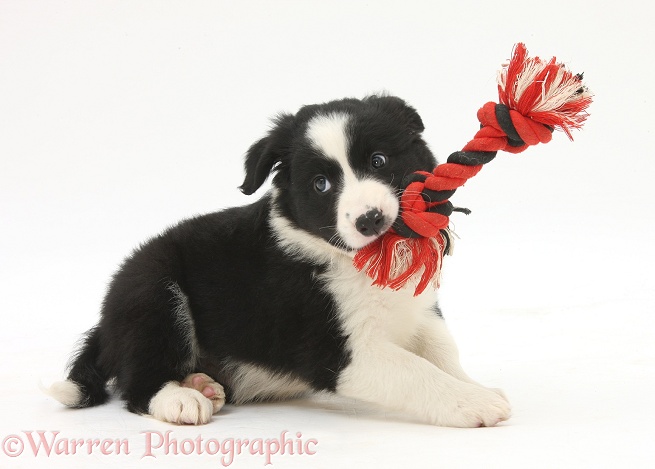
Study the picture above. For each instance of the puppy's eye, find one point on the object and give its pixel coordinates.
(321, 184)
(378, 160)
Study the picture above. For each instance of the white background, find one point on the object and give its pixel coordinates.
(120, 118)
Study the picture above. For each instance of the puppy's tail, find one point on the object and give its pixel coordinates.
(85, 385)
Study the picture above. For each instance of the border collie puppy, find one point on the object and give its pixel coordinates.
(262, 301)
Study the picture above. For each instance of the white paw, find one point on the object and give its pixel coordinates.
(500, 392)
(177, 404)
(474, 406)
(207, 387)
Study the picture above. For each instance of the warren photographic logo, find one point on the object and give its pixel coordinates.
(155, 444)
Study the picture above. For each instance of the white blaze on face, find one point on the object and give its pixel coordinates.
(328, 134)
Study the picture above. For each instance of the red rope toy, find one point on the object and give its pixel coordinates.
(536, 97)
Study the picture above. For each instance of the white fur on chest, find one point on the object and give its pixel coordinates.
(365, 312)
(368, 312)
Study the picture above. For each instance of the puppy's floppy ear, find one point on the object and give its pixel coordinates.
(399, 110)
(264, 154)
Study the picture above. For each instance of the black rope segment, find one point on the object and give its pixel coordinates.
(471, 158)
(505, 121)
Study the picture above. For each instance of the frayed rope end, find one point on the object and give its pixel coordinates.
(394, 261)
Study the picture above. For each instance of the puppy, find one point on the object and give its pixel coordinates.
(262, 302)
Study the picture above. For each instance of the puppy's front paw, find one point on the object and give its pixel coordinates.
(474, 406)
(500, 392)
(208, 387)
(180, 405)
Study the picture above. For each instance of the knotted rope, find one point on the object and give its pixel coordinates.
(536, 97)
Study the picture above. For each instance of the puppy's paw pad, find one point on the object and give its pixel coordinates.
(181, 405)
(207, 387)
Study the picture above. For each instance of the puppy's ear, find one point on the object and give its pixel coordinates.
(263, 155)
(400, 111)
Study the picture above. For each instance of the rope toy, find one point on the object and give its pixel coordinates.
(535, 98)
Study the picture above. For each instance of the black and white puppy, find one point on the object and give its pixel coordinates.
(264, 298)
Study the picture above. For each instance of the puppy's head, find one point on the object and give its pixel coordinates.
(338, 167)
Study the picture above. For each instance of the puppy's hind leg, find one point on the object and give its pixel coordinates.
(159, 350)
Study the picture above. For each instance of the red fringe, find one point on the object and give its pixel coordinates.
(380, 258)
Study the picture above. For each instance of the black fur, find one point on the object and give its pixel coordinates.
(250, 300)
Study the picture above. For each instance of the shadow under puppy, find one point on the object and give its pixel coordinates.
(264, 298)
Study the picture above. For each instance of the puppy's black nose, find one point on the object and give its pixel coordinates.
(371, 223)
